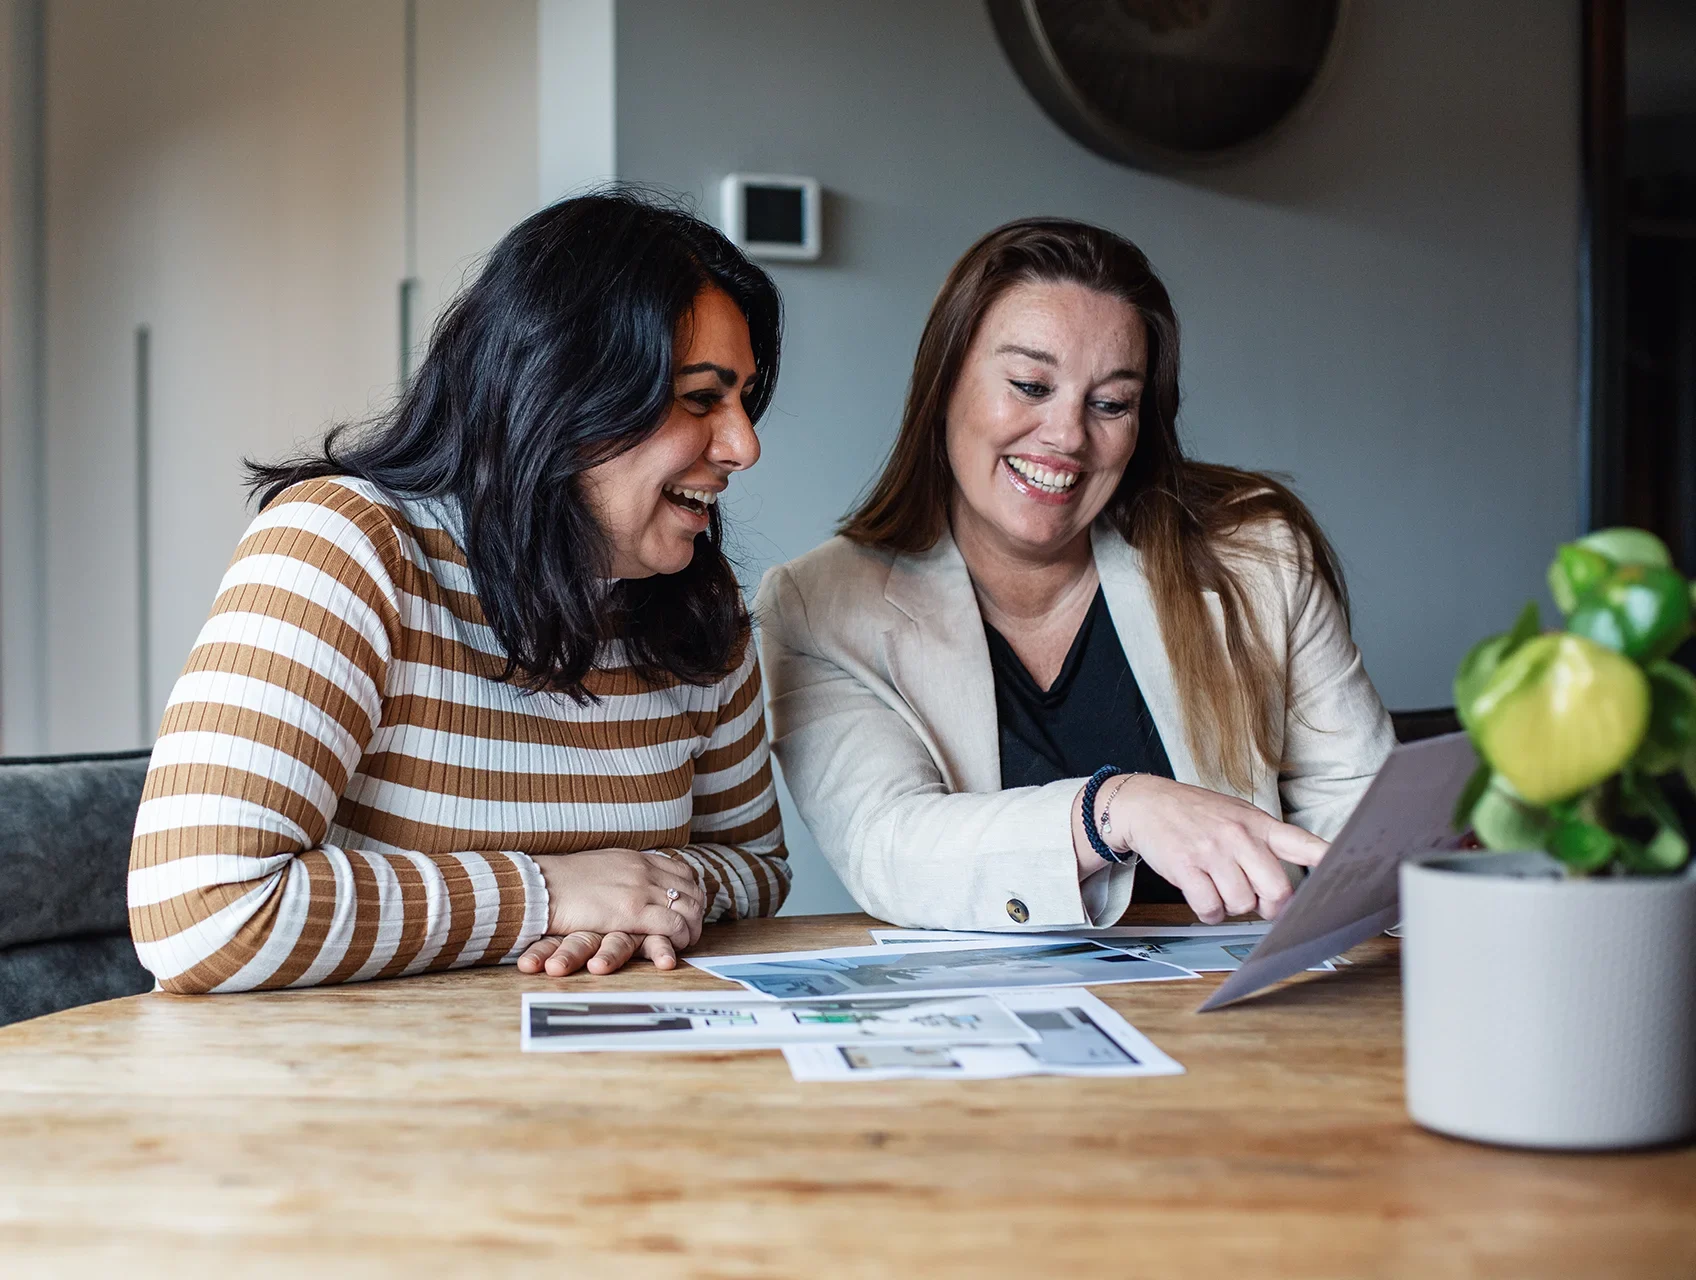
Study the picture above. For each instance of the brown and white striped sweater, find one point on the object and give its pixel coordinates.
(342, 788)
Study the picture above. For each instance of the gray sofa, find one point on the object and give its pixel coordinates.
(65, 824)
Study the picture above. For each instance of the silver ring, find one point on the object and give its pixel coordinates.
(672, 895)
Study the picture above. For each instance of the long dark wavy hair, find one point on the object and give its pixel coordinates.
(1178, 512)
(558, 357)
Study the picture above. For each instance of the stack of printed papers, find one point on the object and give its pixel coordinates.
(1203, 948)
(978, 963)
(1051, 1031)
(919, 1004)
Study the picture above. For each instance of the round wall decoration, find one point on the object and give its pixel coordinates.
(1167, 84)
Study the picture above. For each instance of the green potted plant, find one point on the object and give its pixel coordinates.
(1550, 984)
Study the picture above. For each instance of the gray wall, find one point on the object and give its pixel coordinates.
(1382, 303)
(23, 631)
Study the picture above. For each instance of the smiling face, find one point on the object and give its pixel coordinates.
(653, 500)
(1043, 418)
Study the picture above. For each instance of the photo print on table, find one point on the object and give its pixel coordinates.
(1200, 948)
(810, 975)
(1078, 1035)
(740, 1020)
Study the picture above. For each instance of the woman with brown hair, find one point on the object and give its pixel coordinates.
(1048, 646)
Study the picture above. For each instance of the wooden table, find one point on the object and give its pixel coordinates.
(395, 1127)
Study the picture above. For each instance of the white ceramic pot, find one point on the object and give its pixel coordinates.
(1541, 1011)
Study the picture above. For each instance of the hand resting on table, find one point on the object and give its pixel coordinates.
(605, 905)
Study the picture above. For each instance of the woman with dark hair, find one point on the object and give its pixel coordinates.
(478, 686)
(1048, 646)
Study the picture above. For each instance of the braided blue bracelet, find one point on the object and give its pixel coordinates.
(1092, 788)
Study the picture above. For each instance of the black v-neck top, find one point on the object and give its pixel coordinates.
(1092, 715)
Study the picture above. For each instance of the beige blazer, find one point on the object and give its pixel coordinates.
(883, 713)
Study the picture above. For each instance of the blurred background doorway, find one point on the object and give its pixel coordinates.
(1640, 136)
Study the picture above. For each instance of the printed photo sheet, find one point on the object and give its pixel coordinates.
(713, 1020)
(1205, 948)
(1078, 1035)
(949, 969)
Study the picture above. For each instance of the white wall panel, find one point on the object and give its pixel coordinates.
(478, 120)
(576, 54)
(230, 176)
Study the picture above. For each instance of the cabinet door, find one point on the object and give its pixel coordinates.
(231, 177)
(476, 136)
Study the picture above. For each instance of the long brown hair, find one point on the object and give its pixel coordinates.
(1178, 513)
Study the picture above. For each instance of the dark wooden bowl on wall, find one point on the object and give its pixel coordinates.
(1168, 84)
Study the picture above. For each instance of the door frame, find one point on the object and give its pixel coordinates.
(1602, 264)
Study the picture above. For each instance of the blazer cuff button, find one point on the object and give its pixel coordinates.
(1018, 911)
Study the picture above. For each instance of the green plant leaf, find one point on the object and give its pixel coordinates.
(1642, 611)
(1668, 849)
(1631, 855)
(1627, 546)
(1469, 797)
(1665, 852)
(1525, 627)
(1641, 797)
(1560, 715)
(1489, 653)
(1504, 822)
(1582, 846)
(1672, 719)
(1594, 806)
(1574, 572)
(1474, 673)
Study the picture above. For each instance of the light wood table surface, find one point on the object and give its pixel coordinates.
(395, 1128)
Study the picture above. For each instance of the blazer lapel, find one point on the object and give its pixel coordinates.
(938, 660)
(1131, 605)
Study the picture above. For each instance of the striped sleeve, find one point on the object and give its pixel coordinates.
(231, 887)
(736, 832)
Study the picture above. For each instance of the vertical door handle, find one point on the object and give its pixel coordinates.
(408, 316)
(146, 726)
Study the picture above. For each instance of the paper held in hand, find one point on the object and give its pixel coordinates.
(1352, 894)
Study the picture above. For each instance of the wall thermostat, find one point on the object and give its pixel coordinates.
(772, 215)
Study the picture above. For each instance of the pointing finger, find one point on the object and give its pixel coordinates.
(1292, 844)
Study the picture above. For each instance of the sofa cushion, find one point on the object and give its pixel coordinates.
(45, 977)
(65, 826)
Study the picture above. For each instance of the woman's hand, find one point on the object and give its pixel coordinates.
(604, 904)
(1221, 852)
(598, 953)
